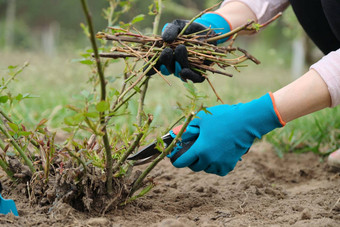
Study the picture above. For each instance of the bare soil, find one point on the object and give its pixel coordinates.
(263, 190)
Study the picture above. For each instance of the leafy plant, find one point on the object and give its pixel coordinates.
(90, 170)
(317, 133)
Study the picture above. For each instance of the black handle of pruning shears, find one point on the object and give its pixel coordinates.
(150, 152)
(185, 146)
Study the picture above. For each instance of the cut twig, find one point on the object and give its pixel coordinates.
(214, 90)
(200, 50)
(197, 16)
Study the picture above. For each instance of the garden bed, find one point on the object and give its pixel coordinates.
(262, 190)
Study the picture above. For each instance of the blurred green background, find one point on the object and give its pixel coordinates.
(48, 35)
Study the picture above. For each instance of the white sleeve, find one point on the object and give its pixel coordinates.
(329, 69)
(263, 9)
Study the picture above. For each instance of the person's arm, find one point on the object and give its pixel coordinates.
(317, 89)
(260, 10)
(236, 13)
(306, 95)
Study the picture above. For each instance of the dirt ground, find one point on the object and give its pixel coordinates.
(263, 190)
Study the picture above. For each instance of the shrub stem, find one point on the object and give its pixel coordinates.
(165, 152)
(109, 159)
(133, 145)
(17, 147)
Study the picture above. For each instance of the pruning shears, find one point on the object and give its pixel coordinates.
(150, 152)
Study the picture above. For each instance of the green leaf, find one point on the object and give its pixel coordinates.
(83, 61)
(151, 10)
(137, 18)
(86, 62)
(85, 55)
(78, 118)
(13, 126)
(69, 121)
(160, 144)
(3, 99)
(20, 97)
(74, 120)
(24, 133)
(102, 106)
(91, 114)
(85, 29)
(12, 67)
(67, 129)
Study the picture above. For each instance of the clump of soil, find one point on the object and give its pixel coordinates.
(68, 183)
(263, 190)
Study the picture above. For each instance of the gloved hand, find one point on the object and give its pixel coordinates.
(176, 61)
(225, 134)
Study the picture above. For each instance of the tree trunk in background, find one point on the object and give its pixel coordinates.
(10, 22)
(49, 39)
(309, 47)
(305, 54)
(298, 58)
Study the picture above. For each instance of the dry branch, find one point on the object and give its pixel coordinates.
(200, 50)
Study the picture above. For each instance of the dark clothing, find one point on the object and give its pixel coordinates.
(321, 21)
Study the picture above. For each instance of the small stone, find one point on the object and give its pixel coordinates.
(305, 215)
(297, 208)
(98, 222)
(258, 183)
(200, 189)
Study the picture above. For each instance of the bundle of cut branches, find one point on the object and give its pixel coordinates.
(199, 46)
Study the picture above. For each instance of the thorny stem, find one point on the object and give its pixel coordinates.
(249, 56)
(271, 20)
(133, 145)
(127, 73)
(174, 124)
(151, 65)
(200, 14)
(226, 35)
(214, 90)
(14, 75)
(157, 18)
(5, 116)
(116, 108)
(145, 88)
(4, 167)
(95, 49)
(112, 10)
(17, 147)
(3, 163)
(2, 145)
(109, 159)
(141, 102)
(78, 159)
(205, 67)
(142, 40)
(145, 59)
(165, 152)
(31, 140)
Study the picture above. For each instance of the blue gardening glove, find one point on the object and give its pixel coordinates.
(225, 134)
(176, 61)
